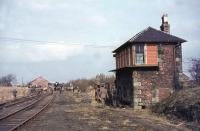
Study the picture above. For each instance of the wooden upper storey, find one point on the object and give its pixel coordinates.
(142, 50)
(137, 55)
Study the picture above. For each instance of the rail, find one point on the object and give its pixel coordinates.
(25, 107)
(34, 115)
(23, 115)
(17, 101)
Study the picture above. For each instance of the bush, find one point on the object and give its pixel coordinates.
(184, 104)
(83, 84)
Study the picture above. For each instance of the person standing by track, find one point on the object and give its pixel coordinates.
(14, 92)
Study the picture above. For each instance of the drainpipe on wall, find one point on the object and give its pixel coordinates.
(175, 74)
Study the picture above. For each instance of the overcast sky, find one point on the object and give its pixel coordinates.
(66, 26)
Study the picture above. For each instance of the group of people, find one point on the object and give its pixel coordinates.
(58, 87)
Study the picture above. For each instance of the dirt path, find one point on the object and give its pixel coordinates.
(74, 112)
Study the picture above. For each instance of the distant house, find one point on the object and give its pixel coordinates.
(148, 66)
(39, 82)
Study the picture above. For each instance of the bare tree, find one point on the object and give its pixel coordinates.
(195, 70)
(7, 80)
(83, 84)
(105, 78)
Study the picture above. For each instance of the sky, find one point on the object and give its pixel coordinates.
(68, 39)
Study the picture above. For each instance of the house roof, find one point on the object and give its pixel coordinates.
(152, 35)
(40, 78)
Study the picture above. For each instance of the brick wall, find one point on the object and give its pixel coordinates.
(155, 83)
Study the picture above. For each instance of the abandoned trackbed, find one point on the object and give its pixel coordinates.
(14, 107)
(18, 118)
(17, 101)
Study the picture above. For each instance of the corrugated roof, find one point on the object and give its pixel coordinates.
(152, 35)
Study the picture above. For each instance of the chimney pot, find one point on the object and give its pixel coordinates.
(165, 26)
(165, 18)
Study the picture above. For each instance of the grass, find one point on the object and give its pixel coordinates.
(6, 93)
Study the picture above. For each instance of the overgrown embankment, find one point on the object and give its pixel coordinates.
(6, 93)
(184, 104)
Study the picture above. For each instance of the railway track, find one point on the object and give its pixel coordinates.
(19, 117)
(17, 101)
(17, 106)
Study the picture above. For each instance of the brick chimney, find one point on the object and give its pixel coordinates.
(165, 25)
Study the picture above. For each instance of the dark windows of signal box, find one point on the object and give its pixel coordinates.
(139, 51)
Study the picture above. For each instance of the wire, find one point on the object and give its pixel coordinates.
(54, 42)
